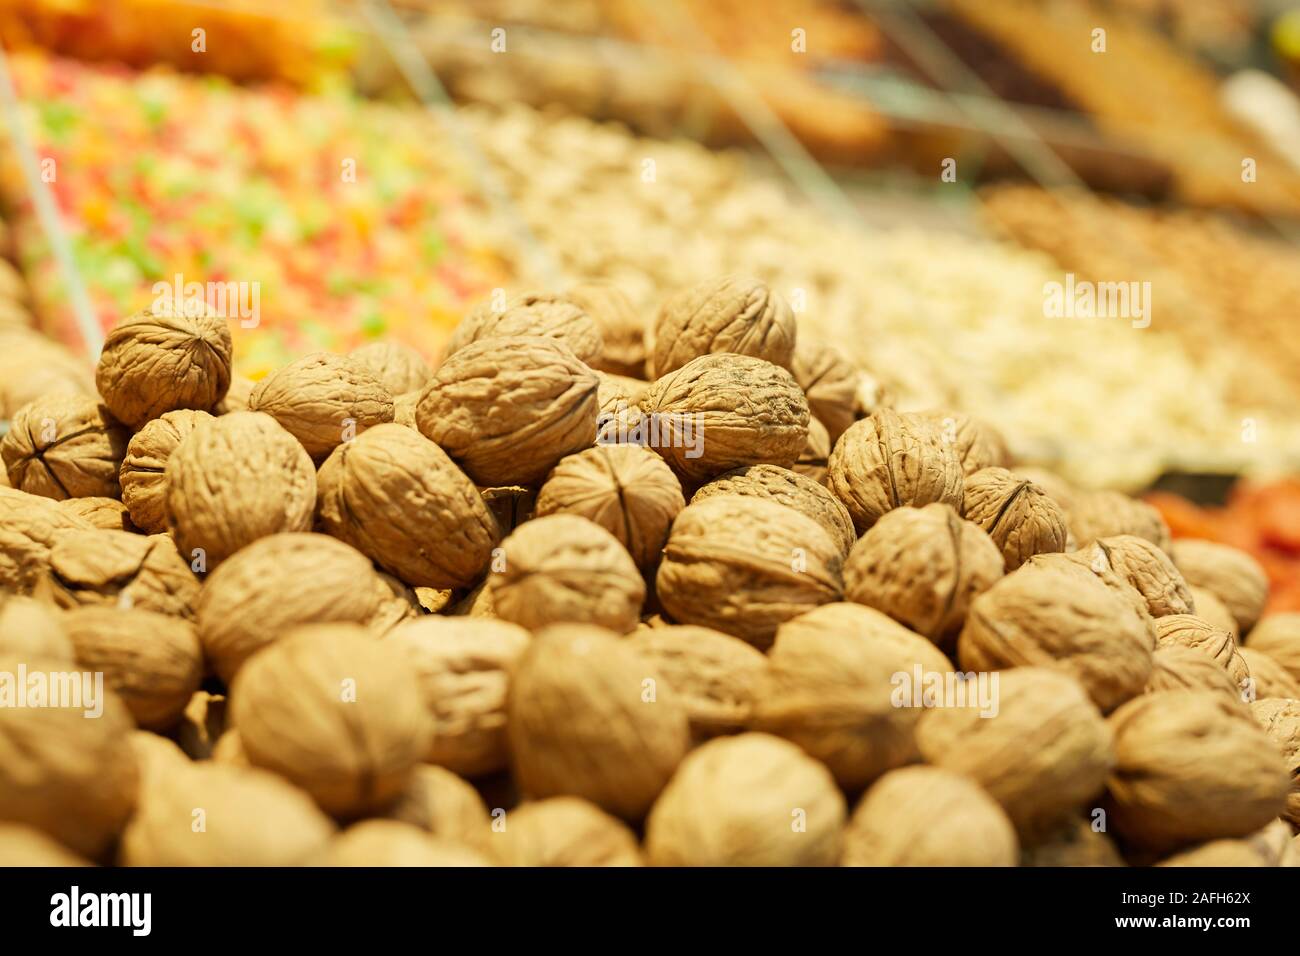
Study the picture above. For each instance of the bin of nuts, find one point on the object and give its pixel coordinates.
(670, 646)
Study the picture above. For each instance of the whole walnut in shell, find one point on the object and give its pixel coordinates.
(1232, 575)
(1018, 515)
(788, 488)
(463, 666)
(71, 777)
(335, 712)
(732, 314)
(751, 800)
(1107, 514)
(1213, 611)
(397, 498)
(508, 409)
(249, 818)
(1189, 767)
(716, 677)
(107, 514)
(1188, 630)
(1277, 635)
(144, 490)
(122, 569)
(978, 444)
(1280, 719)
(928, 816)
(323, 400)
(64, 446)
(565, 568)
(1042, 756)
(923, 567)
(1268, 677)
(1060, 615)
(1147, 568)
(157, 361)
(393, 843)
(445, 806)
(745, 565)
(831, 383)
(622, 331)
(26, 846)
(831, 689)
(1177, 667)
(29, 525)
(235, 479)
(277, 583)
(626, 489)
(399, 367)
(889, 460)
(565, 831)
(813, 460)
(585, 718)
(724, 411)
(542, 314)
(32, 630)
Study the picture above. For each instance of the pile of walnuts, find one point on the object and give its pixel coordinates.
(595, 591)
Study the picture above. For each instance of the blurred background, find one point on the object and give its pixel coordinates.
(911, 174)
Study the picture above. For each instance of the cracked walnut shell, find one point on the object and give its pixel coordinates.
(237, 478)
(144, 489)
(1232, 575)
(397, 498)
(157, 361)
(1177, 667)
(562, 568)
(889, 460)
(788, 488)
(64, 446)
(565, 831)
(323, 400)
(1018, 515)
(745, 565)
(29, 525)
(732, 314)
(923, 567)
(121, 569)
(723, 411)
(532, 314)
(506, 410)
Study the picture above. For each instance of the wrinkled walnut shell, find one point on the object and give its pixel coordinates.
(1018, 515)
(398, 367)
(622, 331)
(1108, 514)
(1147, 568)
(144, 490)
(533, 314)
(1232, 575)
(1188, 630)
(106, 514)
(121, 569)
(29, 525)
(978, 444)
(788, 488)
(732, 314)
(1177, 667)
(1280, 719)
(831, 384)
(64, 446)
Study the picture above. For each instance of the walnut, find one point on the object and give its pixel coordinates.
(26, 846)
(463, 665)
(277, 583)
(123, 569)
(236, 400)
(107, 514)
(32, 630)
(744, 565)
(928, 816)
(831, 384)
(64, 446)
(144, 491)
(34, 367)
(888, 460)
(788, 488)
(1212, 610)
(751, 800)
(157, 361)
(831, 689)
(335, 712)
(249, 818)
(565, 831)
(398, 499)
(1177, 667)
(508, 409)
(585, 718)
(565, 568)
(1073, 843)
(979, 445)
(1281, 721)
(1042, 756)
(1058, 614)
(393, 843)
(1189, 767)
(626, 489)
(1232, 575)
(445, 806)
(1277, 635)
(404, 408)
(1188, 630)
(1107, 514)
(29, 525)
(1144, 566)
(71, 777)
(323, 400)
(532, 314)
(1018, 515)
(923, 567)
(816, 452)
(1268, 677)
(398, 367)
(235, 479)
(716, 677)
(622, 331)
(732, 314)
(720, 412)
